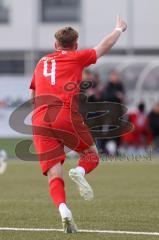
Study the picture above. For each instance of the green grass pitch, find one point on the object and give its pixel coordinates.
(126, 198)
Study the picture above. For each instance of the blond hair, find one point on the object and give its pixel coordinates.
(66, 37)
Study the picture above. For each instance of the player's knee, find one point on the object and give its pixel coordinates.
(93, 149)
(90, 159)
(55, 172)
(93, 153)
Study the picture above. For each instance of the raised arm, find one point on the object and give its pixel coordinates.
(108, 42)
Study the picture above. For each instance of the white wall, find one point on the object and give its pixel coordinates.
(146, 22)
(25, 32)
(11, 89)
(46, 34)
(17, 35)
(100, 17)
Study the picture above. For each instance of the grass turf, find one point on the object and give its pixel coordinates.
(9, 144)
(126, 198)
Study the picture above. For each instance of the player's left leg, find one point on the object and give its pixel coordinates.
(57, 192)
(89, 160)
(51, 155)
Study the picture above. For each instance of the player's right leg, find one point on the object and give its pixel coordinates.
(89, 160)
(87, 150)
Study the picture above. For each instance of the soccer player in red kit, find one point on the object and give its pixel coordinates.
(56, 119)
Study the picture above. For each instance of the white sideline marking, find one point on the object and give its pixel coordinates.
(82, 230)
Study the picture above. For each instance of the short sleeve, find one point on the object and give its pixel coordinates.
(32, 85)
(86, 57)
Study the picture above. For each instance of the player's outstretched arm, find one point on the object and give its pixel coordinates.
(108, 42)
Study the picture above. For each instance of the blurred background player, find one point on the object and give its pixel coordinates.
(3, 163)
(113, 92)
(94, 95)
(51, 76)
(138, 141)
(153, 118)
(114, 89)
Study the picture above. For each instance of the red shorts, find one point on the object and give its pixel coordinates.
(55, 128)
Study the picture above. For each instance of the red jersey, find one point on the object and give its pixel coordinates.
(59, 74)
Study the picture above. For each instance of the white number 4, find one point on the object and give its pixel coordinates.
(51, 74)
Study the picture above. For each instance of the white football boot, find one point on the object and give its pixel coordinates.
(85, 189)
(68, 223)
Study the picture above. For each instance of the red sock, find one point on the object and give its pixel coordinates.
(89, 161)
(57, 191)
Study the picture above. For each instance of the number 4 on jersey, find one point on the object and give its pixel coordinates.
(51, 74)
